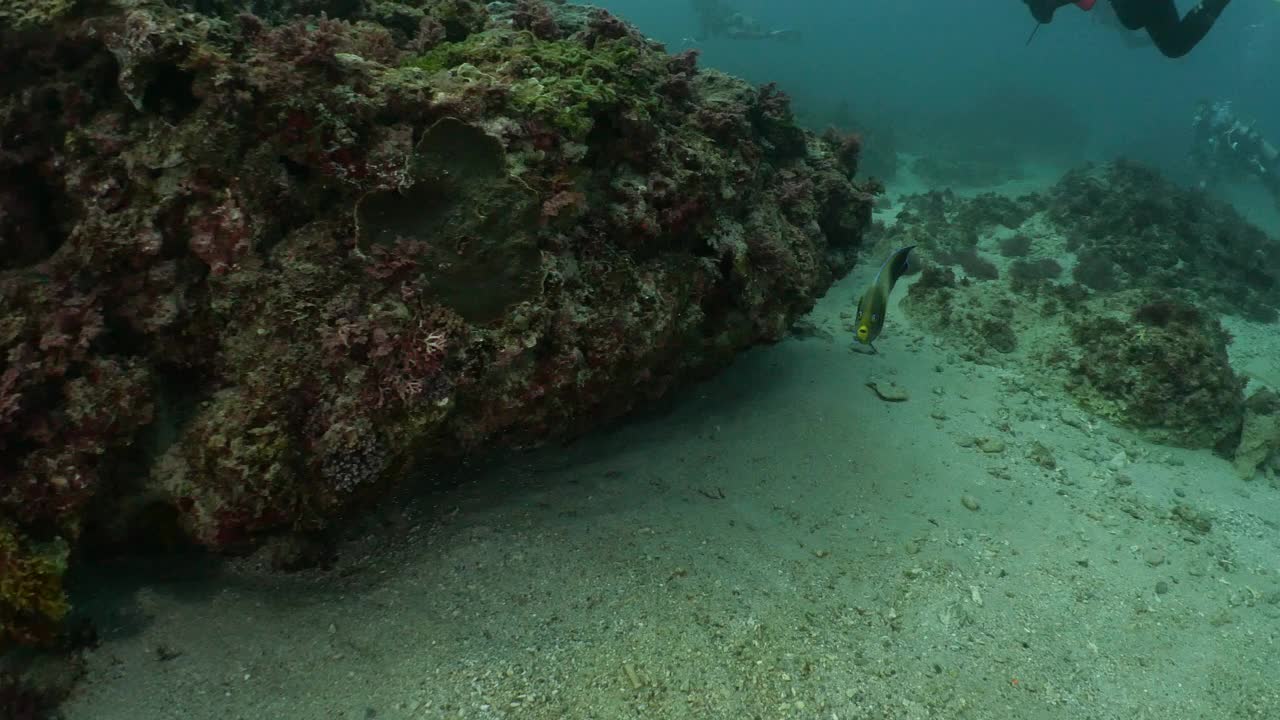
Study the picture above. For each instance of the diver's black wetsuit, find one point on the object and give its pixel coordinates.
(1174, 35)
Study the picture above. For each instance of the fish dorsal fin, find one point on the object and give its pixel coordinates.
(898, 262)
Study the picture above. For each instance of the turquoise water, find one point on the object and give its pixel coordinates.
(965, 70)
(958, 526)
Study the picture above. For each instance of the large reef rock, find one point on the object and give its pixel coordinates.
(1164, 372)
(251, 266)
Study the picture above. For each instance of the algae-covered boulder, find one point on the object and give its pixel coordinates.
(1130, 227)
(30, 586)
(251, 265)
(1260, 436)
(1162, 371)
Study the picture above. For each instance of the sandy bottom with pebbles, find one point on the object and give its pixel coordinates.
(780, 542)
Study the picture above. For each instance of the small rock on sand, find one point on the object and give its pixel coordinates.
(889, 392)
(990, 445)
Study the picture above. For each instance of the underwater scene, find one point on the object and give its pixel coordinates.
(639, 360)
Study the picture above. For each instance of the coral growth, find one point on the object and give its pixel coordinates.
(23, 14)
(253, 265)
(1132, 228)
(1162, 371)
(1159, 366)
(1128, 228)
(31, 598)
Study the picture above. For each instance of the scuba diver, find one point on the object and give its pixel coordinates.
(1223, 145)
(1173, 35)
(717, 18)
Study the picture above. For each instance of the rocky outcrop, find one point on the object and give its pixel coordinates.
(1109, 286)
(251, 266)
(1164, 371)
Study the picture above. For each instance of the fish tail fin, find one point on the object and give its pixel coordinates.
(898, 264)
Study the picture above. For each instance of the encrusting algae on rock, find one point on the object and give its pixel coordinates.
(251, 267)
(31, 597)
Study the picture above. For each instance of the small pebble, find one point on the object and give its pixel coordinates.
(1162, 587)
(1118, 461)
(969, 502)
(889, 392)
(1153, 557)
(991, 445)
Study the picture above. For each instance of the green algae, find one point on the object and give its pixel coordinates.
(32, 602)
(28, 14)
(561, 81)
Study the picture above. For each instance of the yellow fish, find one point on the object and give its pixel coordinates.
(875, 301)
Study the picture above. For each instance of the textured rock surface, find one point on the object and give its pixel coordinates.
(1108, 285)
(1164, 371)
(1260, 436)
(254, 265)
(1130, 227)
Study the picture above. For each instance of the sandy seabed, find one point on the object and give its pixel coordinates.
(778, 543)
